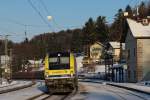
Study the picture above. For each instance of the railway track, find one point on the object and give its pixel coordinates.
(42, 96)
(51, 96)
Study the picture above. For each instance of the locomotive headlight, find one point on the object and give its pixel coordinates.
(71, 73)
(46, 74)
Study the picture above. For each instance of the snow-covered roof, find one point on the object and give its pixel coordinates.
(97, 43)
(138, 29)
(115, 44)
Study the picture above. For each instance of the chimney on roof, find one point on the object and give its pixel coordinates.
(126, 14)
(145, 21)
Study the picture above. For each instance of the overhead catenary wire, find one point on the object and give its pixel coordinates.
(21, 24)
(132, 1)
(47, 11)
(43, 4)
(137, 2)
(24, 24)
(54, 19)
(41, 16)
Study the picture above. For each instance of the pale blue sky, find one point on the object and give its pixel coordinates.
(66, 14)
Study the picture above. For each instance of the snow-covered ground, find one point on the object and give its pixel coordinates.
(24, 94)
(134, 86)
(5, 83)
(13, 84)
(96, 91)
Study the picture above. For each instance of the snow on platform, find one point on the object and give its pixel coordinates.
(132, 86)
(15, 84)
(5, 84)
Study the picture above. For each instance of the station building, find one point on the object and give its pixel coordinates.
(137, 45)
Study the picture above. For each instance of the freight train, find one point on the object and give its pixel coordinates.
(61, 72)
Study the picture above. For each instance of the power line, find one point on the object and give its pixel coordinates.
(44, 6)
(39, 13)
(47, 11)
(23, 24)
(137, 2)
(131, 1)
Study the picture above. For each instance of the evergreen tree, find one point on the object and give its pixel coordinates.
(129, 10)
(101, 29)
(117, 27)
(142, 10)
(88, 31)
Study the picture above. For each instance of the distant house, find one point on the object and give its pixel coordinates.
(96, 50)
(93, 56)
(115, 50)
(36, 65)
(4, 59)
(137, 44)
(33, 65)
(88, 64)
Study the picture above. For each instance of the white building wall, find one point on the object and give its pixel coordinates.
(130, 45)
(145, 58)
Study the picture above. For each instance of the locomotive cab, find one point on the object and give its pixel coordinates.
(61, 72)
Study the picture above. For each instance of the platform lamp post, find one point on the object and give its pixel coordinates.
(49, 18)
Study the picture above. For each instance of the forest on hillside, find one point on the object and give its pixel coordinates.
(75, 39)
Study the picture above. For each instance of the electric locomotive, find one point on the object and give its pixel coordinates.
(61, 72)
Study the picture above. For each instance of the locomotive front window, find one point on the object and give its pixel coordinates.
(64, 60)
(59, 63)
(53, 60)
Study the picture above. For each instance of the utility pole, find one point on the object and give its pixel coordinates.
(1, 69)
(6, 57)
(10, 66)
(6, 44)
(25, 33)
